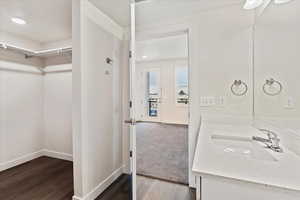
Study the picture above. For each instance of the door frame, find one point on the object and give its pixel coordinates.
(165, 32)
(194, 121)
(132, 102)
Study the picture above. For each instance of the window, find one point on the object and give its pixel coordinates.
(181, 85)
(153, 84)
(153, 92)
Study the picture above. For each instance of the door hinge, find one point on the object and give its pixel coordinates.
(130, 154)
(130, 54)
(130, 104)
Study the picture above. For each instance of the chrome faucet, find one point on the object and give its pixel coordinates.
(272, 142)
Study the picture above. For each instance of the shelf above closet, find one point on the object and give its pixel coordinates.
(43, 53)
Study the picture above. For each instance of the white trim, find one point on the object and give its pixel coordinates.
(76, 198)
(58, 68)
(58, 155)
(102, 186)
(98, 17)
(126, 169)
(26, 158)
(176, 59)
(164, 122)
(20, 160)
(11, 66)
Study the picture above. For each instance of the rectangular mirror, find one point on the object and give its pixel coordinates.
(276, 71)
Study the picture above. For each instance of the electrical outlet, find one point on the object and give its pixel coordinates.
(289, 103)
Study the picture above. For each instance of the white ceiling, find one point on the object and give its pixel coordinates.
(153, 11)
(51, 20)
(284, 15)
(47, 20)
(118, 10)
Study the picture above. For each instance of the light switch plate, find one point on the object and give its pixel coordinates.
(220, 101)
(207, 101)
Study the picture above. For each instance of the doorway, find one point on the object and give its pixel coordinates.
(36, 143)
(162, 101)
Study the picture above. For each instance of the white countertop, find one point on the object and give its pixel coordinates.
(209, 160)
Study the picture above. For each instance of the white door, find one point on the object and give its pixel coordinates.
(132, 120)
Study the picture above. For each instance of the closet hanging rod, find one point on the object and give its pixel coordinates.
(30, 53)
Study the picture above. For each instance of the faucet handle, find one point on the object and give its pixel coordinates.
(270, 134)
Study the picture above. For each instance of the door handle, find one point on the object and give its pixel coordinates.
(132, 121)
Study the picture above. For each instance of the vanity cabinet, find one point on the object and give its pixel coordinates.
(220, 188)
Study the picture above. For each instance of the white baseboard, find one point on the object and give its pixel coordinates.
(126, 169)
(26, 158)
(58, 155)
(20, 160)
(102, 186)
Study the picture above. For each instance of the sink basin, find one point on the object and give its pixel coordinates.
(242, 147)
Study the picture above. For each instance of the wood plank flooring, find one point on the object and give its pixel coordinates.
(119, 190)
(52, 179)
(40, 179)
(148, 189)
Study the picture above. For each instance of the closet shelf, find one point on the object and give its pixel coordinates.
(30, 53)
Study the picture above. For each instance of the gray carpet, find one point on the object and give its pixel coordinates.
(162, 151)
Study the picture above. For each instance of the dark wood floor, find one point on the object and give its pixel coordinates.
(40, 179)
(52, 179)
(147, 189)
(119, 190)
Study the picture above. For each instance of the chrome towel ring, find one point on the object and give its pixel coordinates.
(238, 84)
(270, 83)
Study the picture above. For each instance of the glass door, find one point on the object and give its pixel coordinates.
(153, 94)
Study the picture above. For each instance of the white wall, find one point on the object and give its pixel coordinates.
(162, 48)
(125, 102)
(277, 46)
(276, 56)
(97, 102)
(35, 113)
(23, 88)
(21, 112)
(58, 109)
(102, 140)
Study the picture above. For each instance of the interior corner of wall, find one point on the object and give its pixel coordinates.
(104, 21)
